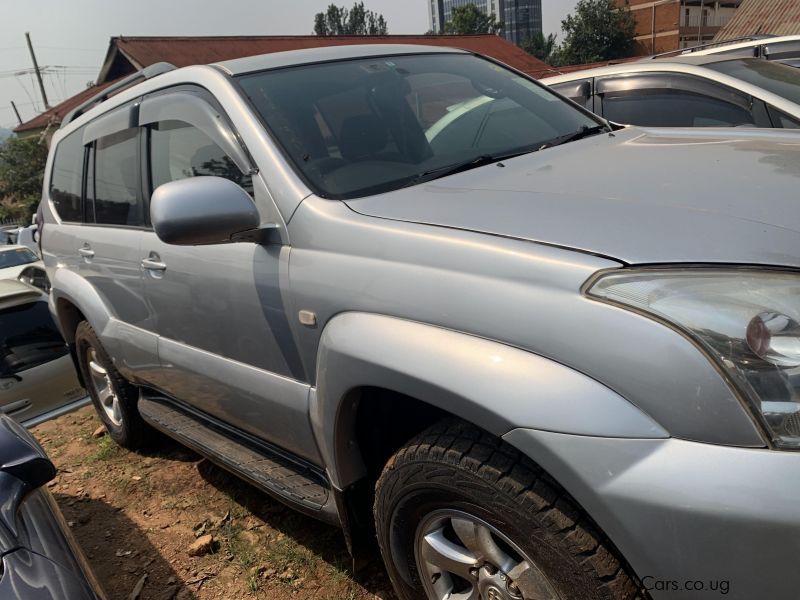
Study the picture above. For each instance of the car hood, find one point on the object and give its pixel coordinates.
(638, 196)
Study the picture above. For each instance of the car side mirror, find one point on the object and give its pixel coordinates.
(203, 210)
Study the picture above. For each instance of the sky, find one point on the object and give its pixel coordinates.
(71, 38)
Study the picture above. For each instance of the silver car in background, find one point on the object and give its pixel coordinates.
(37, 375)
(417, 295)
(689, 91)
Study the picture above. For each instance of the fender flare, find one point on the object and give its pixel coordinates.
(68, 286)
(493, 385)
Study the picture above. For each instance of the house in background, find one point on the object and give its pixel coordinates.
(666, 25)
(127, 55)
(762, 17)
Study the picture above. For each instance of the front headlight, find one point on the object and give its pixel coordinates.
(747, 320)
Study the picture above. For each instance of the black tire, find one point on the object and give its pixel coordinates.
(456, 466)
(131, 432)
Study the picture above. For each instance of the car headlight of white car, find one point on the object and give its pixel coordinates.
(746, 320)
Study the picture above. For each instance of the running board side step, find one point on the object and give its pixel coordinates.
(290, 480)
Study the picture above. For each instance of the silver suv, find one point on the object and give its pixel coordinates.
(411, 292)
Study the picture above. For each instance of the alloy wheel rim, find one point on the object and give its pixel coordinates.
(104, 388)
(462, 557)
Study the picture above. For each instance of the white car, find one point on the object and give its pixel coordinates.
(16, 259)
(778, 48)
(689, 91)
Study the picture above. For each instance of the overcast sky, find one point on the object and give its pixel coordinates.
(71, 37)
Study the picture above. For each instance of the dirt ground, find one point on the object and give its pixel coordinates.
(136, 517)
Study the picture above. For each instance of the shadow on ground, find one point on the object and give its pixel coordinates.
(119, 551)
(323, 540)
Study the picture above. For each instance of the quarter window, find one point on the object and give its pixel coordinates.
(67, 178)
(116, 180)
(179, 150)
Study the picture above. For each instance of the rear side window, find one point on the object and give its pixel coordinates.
(116, 180)
(28, 337)
(179, 150)
(67, 178)
(665, 108)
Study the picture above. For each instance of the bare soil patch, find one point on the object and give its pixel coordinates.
(137, 517)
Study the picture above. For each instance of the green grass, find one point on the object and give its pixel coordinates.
(106, 450)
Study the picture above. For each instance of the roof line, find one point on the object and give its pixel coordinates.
(294, 37)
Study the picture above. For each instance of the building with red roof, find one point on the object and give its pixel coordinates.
(127, 55)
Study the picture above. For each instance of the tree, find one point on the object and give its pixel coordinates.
(21, 173)
(598, 31)
(540, 46)
(337, 20)
(470, 20)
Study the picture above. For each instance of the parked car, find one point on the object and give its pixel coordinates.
(40, 560)
(689, 91)
(14, 259)
(37, 376)
(780, 48)
(538, 358)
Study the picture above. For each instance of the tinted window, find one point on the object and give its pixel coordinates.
(783, 120)
(16, 257)
(28, 337)
(116, 180)
(773, 77)
(179, 150)
(662, 108)
(66, 180)
(360, 127)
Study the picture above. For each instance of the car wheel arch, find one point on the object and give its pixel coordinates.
(491, 385)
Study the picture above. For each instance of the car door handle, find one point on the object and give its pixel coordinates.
(86, 252)
(151, 264)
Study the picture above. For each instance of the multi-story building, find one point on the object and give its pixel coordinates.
(665, 25)
(521, 18)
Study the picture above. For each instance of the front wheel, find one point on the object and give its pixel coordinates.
(461, 515)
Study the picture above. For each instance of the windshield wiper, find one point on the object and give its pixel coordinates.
(472, 163)
(584, 131)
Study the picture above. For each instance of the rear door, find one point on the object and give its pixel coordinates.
(225, 343)
(109, 242)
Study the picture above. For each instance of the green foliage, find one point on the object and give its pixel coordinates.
(21, 172)
(337, 20)
(470, 20)
(540, 46)
(598, 31)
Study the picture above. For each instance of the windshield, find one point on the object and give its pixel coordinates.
(773, 77)
(361, 127)
(14, 257)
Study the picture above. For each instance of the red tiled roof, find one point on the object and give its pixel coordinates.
(762, 17)
(128, 54)
(185, 51)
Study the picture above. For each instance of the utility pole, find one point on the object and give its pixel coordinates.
(38, 72)
(16, 112)
(700, 23)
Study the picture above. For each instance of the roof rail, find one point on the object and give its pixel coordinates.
(689, 50)
(129, 81)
